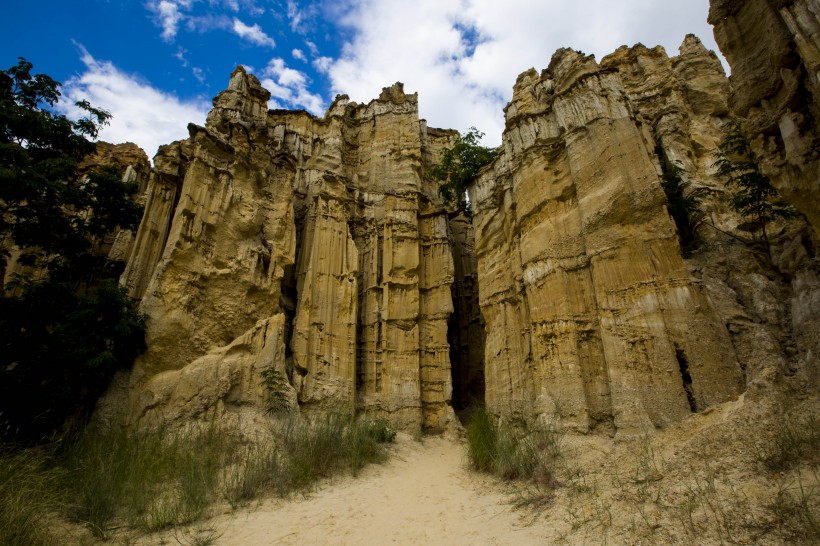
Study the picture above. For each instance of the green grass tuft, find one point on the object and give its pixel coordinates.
(511, 453)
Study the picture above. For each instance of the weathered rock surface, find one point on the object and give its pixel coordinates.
(325, 231)
(319, 249)
(124, 156)
(773, 47)
(591, 316)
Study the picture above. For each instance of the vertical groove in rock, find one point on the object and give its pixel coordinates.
(466, 327)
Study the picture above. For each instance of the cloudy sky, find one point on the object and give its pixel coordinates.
(156, 64)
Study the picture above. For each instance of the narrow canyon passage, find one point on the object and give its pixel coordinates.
(424, 494)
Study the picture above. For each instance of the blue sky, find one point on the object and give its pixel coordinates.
(156, 64)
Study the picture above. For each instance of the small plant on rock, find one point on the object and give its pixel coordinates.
(277, 386)
(683, 204)
(755, 197)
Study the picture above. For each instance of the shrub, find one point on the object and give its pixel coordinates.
(682, 203)
(459, 165)
(754, 197)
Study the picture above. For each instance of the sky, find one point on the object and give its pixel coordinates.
(155, 65)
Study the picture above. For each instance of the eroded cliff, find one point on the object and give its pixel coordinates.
(314, 247)
(591, 315)
(318, 251)
(773, 47)
(593, 318)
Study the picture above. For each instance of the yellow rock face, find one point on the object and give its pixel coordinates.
(773, 48)
(317, 235)
(319, 249)
(590, 315)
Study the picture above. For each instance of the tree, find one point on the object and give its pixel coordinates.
(66, 327)
(682, 203)
(754, 196)
(459, 165)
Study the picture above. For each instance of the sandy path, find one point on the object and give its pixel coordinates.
(423, 495)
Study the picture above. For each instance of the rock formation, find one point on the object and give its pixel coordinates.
(773, 47)
(591, 316)
(320, 236)
(318, 249)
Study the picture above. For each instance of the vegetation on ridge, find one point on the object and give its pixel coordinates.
(459, 165)
(682, 203)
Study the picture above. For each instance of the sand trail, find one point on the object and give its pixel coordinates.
(423, 495)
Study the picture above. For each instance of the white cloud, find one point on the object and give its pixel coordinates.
(298, 54)
(169, 16)
(180, 55)
(300, 16)
(140, 113)
(463, 57)
(289, 87)
(253, 33)
(312, 47)
(198, 74)
(322, 64)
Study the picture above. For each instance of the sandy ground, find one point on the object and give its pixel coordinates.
(701, 481)
(423, 495)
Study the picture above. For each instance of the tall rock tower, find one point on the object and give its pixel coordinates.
(313, 247)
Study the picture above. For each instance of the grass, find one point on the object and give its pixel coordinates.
(306, 452)
(149, 480)
(795, 508)
(29, 491)
(152, 480)
(797, 438)
(525, 454)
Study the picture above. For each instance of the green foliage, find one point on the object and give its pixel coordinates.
(459, 165)
(683, 204)
(45, 208)
(318, 448)
(58, 352)
(481, 441)
(146, 479)
(277, 386)
(65, 327)
(379, 429)
(512, 454)
(154, 479)
(754, 197)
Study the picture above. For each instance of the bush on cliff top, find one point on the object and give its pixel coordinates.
(459, 165)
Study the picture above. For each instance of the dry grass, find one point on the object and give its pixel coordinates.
(151, 480)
